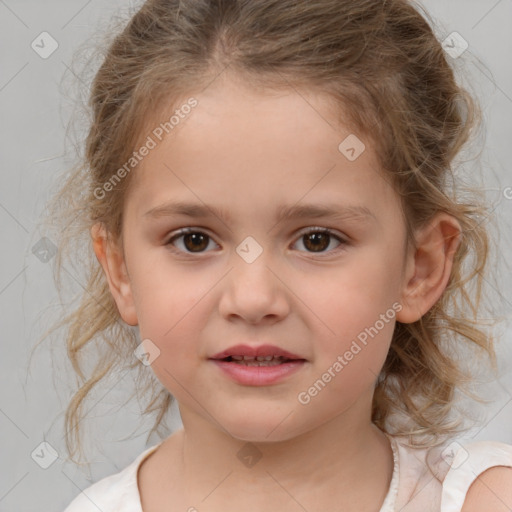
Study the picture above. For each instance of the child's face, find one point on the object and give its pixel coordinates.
(250, 155)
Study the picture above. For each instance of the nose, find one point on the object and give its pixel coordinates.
(254, 291)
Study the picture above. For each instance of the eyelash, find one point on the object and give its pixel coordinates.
(187, 231)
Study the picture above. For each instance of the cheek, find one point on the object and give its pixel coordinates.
(358, 351)
(166, 299)
(351, 297)
(174, 326)
(354, 313)
(171, 316)
(347, 367)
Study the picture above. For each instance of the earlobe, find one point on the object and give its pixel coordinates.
(429, 267)
(111, 259)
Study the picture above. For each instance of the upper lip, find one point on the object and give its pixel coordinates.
(261, 350)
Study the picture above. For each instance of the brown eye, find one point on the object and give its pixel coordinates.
(317, 240)
(192, 241)
(195, 241)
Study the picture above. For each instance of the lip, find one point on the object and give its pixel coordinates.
(261, 350)
(257, 375)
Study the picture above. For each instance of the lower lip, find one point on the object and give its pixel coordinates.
(258, 375)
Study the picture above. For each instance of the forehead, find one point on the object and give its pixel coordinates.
(239, 144)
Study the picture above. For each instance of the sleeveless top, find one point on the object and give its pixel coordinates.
(424, 480)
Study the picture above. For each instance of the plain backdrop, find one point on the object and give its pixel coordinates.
(34, 114)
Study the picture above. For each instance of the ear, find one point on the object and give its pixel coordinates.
(429, 266)
(111, 259)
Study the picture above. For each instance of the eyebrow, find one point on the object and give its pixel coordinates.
(285, 212)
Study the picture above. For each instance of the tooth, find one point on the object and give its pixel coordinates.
(248, 358)
(268, 358)
(273, 362)
(237, 358)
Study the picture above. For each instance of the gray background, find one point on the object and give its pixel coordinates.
(34, 113)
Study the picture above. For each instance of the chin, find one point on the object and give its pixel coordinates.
(254, 435)
(258, 427)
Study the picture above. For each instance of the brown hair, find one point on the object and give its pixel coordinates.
(382, 65)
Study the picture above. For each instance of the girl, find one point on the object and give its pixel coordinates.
(269, 201)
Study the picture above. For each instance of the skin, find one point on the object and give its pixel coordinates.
(193, 305)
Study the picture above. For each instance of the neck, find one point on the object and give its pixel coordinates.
(347, 459)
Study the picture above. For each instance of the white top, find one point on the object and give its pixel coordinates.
(414, 487)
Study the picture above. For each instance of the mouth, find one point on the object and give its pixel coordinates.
(258, 361)
(257, 366)
(262, 355)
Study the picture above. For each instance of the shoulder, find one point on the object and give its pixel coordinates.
(465, 476)
(105, 494)
(479, 477)
(491, 490)
(115, 493)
